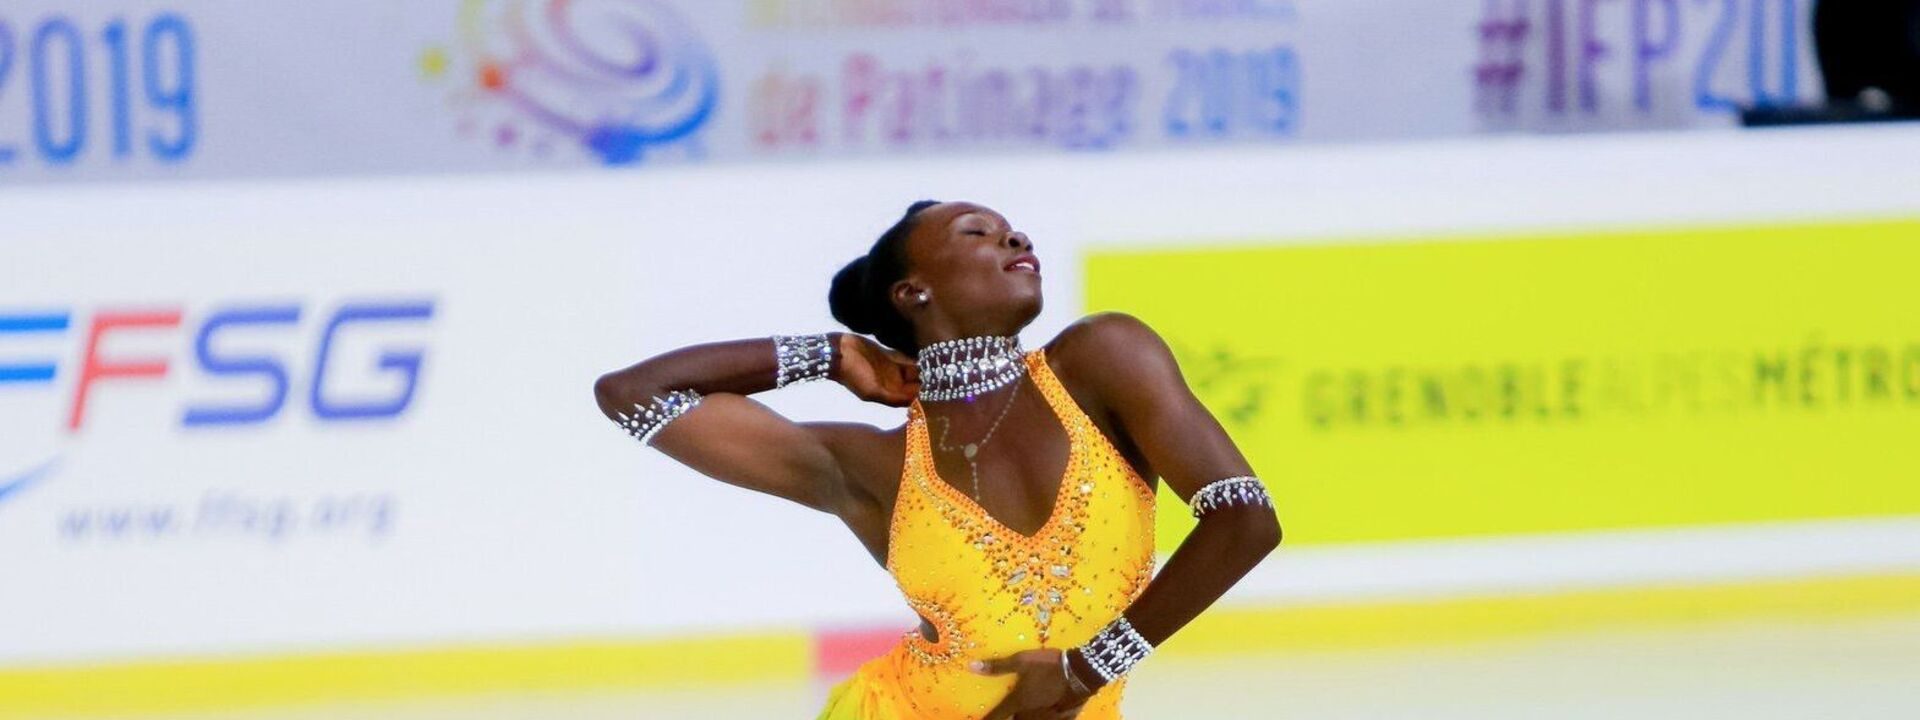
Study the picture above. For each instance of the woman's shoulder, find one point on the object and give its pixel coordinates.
(1107, 352)
(1104, 336)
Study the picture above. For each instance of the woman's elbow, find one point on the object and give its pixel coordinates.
(1263, 532)
(607, 393)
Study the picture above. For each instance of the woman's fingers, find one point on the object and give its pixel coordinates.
(881, 375)
(1036, 694)
(1003, 711)
(907, 365)
(994, 666)
(1012, 703)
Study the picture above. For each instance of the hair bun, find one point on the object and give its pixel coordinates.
(861, 294)
(848, 298)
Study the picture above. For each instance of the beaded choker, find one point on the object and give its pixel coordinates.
(966, 367)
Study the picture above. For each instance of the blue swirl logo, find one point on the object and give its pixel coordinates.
(617, 78)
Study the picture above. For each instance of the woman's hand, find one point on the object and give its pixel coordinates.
(874, 373)
(1040, 690)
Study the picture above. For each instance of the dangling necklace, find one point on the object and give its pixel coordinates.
(969, 367)
(973, 448)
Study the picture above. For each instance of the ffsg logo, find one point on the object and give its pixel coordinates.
(225, 366)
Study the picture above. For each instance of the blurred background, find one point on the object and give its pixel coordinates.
(1576, 338)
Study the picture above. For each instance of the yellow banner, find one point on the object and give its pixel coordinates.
(1466, 387)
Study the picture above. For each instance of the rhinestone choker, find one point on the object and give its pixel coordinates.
(966, 367)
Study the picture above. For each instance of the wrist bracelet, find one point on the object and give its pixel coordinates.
(648, 419)
(1115, 650)
(801, 358)
(1241, 490)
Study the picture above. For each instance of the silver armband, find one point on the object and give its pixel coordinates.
(801, 358)
(649, 418)
(1241, 490)
(1115, 650)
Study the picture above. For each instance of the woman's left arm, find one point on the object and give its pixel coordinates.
(1134, 376)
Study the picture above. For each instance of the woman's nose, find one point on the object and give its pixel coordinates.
(1019, 241)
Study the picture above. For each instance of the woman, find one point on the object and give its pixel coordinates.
(1015, 506)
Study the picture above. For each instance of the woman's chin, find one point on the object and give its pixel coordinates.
(1029, 307)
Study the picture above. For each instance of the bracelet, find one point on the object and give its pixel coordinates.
(1241, 490)
(1116, 649)
(1073, 681)
(647, 420)
(801, 358)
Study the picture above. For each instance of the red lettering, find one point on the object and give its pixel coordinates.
(93, 368)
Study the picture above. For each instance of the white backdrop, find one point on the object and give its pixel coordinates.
(499, 505)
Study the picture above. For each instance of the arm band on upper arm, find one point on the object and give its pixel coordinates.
(648, 419)
(1240, 490)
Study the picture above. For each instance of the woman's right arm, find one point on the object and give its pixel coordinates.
(734, 439)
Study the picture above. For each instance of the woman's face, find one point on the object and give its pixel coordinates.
(974, 266)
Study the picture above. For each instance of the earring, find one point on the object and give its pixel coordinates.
(923, 297)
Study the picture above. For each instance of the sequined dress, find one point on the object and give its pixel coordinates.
(992, 592)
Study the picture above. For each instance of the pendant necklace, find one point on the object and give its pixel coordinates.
(971, 449)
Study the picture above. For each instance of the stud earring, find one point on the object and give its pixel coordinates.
(923, 297)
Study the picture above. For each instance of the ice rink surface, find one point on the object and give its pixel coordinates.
(1754, 670)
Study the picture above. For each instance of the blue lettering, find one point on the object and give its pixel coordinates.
(268, 367)
(407, 363)
(36, 372)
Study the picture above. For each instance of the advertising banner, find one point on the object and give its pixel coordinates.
(137, 89)
(1532, 384)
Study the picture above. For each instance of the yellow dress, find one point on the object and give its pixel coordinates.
(992, 592)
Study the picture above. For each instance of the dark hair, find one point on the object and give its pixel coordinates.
(859, 296)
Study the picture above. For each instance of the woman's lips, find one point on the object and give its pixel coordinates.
(1024, 263)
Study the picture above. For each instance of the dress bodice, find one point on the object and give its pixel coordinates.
(990, 591)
